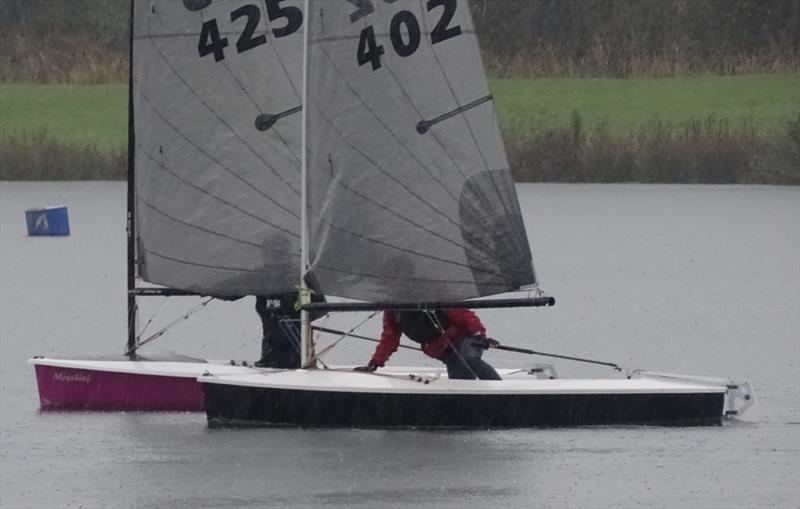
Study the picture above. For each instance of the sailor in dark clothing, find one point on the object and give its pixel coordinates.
(454, 336)
(280, 321)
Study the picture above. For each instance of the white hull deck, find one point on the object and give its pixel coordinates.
(188, 368)
(426, 398)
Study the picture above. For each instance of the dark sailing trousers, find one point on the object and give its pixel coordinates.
(280, 346)
(466, 363)
(280, 343)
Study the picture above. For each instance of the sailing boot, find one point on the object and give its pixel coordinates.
(266, 354)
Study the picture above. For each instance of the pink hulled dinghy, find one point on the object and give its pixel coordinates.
(164, 382)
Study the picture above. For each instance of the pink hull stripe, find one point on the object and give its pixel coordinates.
(83, 389)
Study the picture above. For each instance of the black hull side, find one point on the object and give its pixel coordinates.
(230, 405)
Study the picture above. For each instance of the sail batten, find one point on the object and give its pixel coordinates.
(412, 193)
(203, 229)
(410, 197)
(262, 218)
(412, 252)
(184, 261)
(404, 279)
(222, 122)
(384, 123)
(459, 111)
(402, 249)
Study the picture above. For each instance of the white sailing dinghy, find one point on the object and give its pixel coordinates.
(213, 185)
(408, 203)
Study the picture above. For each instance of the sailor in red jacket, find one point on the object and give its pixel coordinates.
(454, 336)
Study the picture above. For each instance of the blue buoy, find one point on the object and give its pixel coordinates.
(47, 221)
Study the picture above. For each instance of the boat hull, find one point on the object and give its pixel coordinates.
(247, 406)
(539, 403)
(85, 389)
(164, 384)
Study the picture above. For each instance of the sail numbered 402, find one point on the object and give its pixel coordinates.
(405, 33)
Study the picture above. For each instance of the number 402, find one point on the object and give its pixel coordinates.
(369, 51)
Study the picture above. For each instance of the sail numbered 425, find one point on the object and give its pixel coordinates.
(218, 98)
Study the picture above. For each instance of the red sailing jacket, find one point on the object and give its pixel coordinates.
(463, 322)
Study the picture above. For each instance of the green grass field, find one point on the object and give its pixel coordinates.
(765, 101)
(82, 114)
(97, 114)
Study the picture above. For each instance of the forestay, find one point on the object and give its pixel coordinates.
(410, 197)
(217, 98)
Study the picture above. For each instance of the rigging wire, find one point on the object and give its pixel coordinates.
(152, 317)
(169, 326)
(318, 356)
(357, 336)
(295, 340)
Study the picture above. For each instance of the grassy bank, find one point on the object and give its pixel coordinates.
(709, 129)
(763, 101)
(70, 114)
(714, 129)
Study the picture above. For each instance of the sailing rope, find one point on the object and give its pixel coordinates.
(295, 340)
(318, 356)
(357, 336)
(535, 290)
(169, 326)
(439, 327)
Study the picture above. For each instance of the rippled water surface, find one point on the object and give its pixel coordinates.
(690, 279)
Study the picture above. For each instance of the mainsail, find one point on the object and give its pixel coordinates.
(410, 197)
(217, 101)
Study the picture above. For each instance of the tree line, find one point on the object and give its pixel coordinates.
(523, 38)
(621, 38)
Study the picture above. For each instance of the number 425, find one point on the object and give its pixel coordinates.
(211, 43)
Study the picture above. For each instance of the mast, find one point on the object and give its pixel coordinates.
(131, 207)
(305, 339)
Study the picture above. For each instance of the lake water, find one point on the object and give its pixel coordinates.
(689, 279)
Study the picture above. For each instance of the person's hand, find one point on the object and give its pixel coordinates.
(486, 342)
(369, 368)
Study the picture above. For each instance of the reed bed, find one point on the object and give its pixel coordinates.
(702, 151)
(42, 157)
(75, 60)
